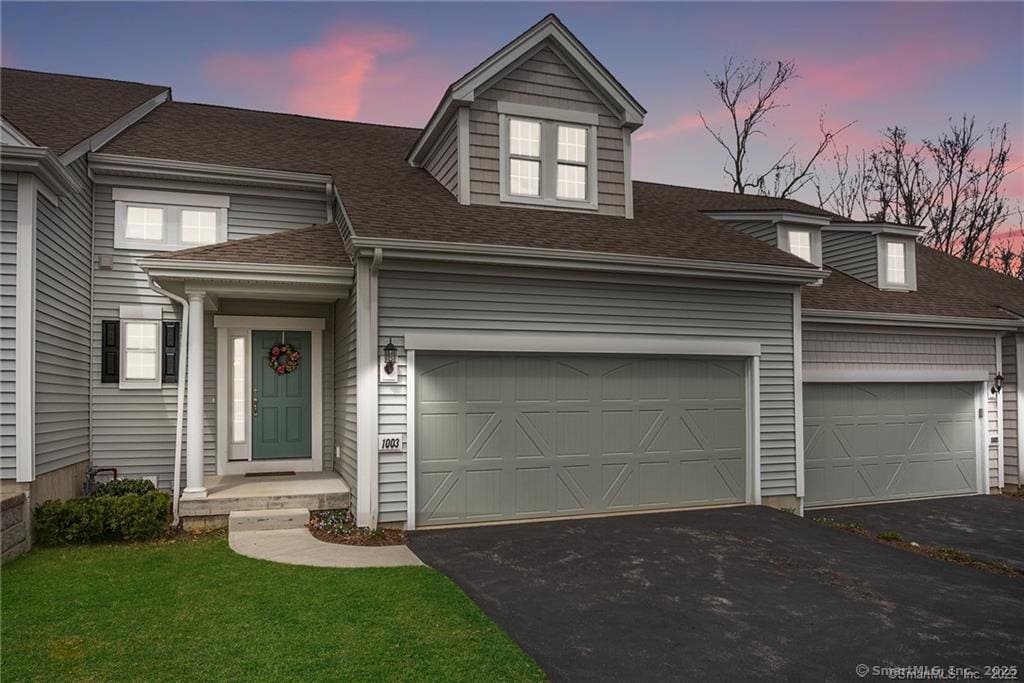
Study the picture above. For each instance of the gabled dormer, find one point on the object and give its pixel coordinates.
(881, 254)
(540, 123)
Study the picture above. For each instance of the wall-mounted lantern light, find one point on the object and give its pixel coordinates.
(998, 385)
(389, 363)
(391, 355)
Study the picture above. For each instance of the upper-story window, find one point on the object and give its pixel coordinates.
(802, 242)
(548, 156)
(150, 220)
(896, 264)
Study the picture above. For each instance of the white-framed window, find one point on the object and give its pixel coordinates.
(800, 243)
(140, 351)
(548, 156)
(897, 264)
(152, 220)
(239, 390)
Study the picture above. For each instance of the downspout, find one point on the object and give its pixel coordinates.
(378, 256)
(180, 410)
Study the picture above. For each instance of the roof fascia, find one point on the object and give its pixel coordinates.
(794, 217)
(95, 141)
(465, 90)
(908, 320)
(877, 228)
(172, 169)
(12, 135)
(503, 255)
(43, 163)
(192, 269)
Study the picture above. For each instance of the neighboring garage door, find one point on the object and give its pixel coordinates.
(512, 437)
(873, 442)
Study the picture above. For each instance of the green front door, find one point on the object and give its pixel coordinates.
(281, 422)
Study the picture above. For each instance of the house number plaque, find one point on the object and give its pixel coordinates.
(389, 443)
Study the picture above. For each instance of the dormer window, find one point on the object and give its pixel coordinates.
(802, 242)
(896, 263)
(548, 156)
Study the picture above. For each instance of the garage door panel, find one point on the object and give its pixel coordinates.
(531, 436)
(872, 442)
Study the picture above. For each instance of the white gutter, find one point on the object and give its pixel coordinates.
(102, 163)
(497, 254)
(180, 409)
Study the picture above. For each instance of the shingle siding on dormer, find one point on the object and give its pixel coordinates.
(544, 80)
(443, 161)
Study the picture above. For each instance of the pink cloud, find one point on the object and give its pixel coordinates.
(873, 74)
(684, 123)
(330, 78)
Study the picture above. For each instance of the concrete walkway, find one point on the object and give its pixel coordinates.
(297, 546)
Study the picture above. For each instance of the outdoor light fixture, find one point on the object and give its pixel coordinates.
(390, 356)
(998, 386)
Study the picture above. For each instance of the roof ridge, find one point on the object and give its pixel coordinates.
(85, 78)
(298, 116)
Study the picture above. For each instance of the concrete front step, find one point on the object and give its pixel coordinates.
(267, 520)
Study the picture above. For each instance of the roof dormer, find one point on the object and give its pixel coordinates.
(883, 255)
(797, 233)
(540, 123)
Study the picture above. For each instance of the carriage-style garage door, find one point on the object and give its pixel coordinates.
(511, 437)
(873, 442)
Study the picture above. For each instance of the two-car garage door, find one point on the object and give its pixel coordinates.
(502, 437)
(885, 441)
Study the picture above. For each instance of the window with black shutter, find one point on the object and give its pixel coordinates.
(169, 356)
(111, 351)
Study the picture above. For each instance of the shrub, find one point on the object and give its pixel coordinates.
(128, 517)
(119, 487)
(889, 536)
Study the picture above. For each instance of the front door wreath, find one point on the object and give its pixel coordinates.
(283, 359)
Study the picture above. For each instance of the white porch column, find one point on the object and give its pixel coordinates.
(194, 487)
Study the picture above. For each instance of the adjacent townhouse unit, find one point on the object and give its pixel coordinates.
(486, 319)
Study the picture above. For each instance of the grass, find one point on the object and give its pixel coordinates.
(193, 609)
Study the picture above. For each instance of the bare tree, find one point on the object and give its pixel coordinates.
(749, 91)
(950, 185)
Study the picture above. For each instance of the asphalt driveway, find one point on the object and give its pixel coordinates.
(735, 593)
(988, 527)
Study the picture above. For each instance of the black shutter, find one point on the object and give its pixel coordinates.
(171, 341)
(111, 351)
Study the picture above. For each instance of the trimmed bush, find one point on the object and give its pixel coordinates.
(125, 517)
(119, 487)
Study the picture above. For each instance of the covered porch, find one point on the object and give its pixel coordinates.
(256, 412)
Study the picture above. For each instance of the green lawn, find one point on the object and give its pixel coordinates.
(194, 610)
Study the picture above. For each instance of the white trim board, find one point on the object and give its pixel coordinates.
(108, 133)
(500, 342)
(798, 395)
(410, 439)
(245, 325)
(829, 375)
(25, 330)
(1000, 447)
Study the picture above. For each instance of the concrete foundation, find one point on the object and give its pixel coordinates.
(787, 503)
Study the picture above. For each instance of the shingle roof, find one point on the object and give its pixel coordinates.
(946, 286)
(59, 111)
(387, 198)
(317, 245)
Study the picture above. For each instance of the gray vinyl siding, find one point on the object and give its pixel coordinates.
(8, 278)
(443, 161)
(543, 80)
(766, 232)
(846, 348)
(133, 429)
(63, 286)
(1011, 432)
(345, 389)
(422, 301)
(854, 253)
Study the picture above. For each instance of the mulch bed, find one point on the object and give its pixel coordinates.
(933, 551)
(338, 526)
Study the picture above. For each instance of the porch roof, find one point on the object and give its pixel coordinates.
(317, 245)
(307, 264)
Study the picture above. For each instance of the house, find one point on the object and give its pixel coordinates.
(482, 320)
